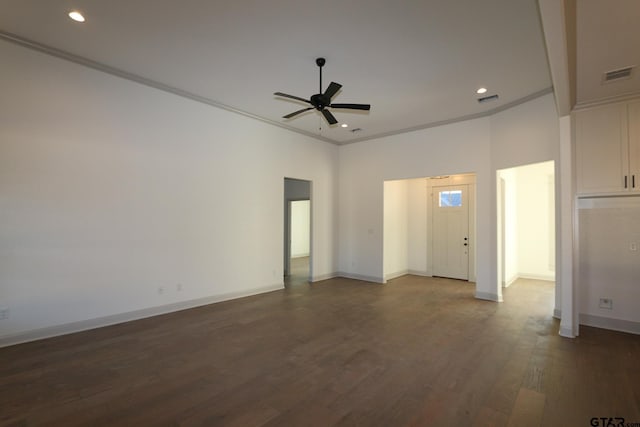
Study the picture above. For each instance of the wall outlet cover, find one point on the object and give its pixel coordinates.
(606, 303)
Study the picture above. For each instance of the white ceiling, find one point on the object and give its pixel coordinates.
(418, 63)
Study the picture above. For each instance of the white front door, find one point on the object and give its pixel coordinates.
(451, 231)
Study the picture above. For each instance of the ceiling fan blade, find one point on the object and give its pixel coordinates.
(366, 107)
(297, 98)
(295, 113)
(332, 89)
(327, 115)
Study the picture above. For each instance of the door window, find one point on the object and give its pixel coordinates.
(450, 199)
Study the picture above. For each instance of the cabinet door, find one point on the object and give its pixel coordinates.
(634, 145)
(602, 149)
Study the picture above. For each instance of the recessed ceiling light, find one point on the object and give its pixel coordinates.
(76, 16)
(344, 125)
(482, 90)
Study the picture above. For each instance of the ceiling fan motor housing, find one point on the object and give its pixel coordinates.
(320, 101)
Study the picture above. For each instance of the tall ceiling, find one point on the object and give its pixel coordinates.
(607, 39)
(417, 62)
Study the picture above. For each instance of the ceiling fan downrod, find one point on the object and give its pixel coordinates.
(320, 63)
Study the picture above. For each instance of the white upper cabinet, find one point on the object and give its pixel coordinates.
(608, 149)
(634, 144)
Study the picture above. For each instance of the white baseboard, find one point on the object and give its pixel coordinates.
(488, 296)
(509, 282)
(609, 323)
(566, 332)
(322, 277)
(545, 277)
(83, 325)
(300, 255)
(361, 277)
(395, 275)
(420, 273)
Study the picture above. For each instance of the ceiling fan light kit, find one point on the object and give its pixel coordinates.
(321, 101)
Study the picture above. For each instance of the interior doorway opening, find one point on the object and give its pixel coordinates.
(297, 231)
(526, 223)
(429, 227)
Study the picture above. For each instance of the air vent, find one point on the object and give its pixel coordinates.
(620, 74)
(487, 98)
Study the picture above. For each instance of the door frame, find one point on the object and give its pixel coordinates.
(287, 225)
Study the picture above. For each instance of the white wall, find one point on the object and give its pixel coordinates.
(396, 227)
(418, 226)
(536, 221)
(451, 149)
(609, 268)
(529, 222)
(510, 226)
(300, 228)
(527, 133)
(407, 224)
(110, 189)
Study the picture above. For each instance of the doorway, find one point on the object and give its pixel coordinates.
(526, 223)
(411, 225)
(297, 231)
(451, 231)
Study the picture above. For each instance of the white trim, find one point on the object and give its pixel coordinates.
(511, 281)
(487, 113)
(395, 275)
(362, 277)
(419, 273)
(99, 322)
(609, 202)
(59, 53)
(488, 296)
(567, 232)
(566, 332)
(533, 276)
(64, 55)
(322, 277)
(617, 99)
(558, 20)
(609, 323)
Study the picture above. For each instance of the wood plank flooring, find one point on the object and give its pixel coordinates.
(416, 351)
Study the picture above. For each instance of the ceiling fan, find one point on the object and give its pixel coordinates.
(322, 101)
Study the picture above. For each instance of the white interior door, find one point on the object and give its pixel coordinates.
(451, 231)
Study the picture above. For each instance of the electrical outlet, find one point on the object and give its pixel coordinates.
(633, 247)
(4, 313)
(160, 290)
(606, 303)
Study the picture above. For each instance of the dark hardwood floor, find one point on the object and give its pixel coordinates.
(417, 351)
(299, 272)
